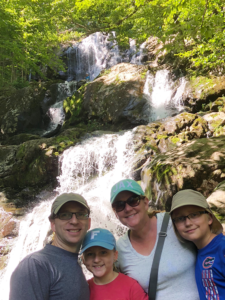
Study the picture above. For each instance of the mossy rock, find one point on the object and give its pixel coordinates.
(198, 164)
(20, 138)
(34, 163)
(199, 127)
(203, 90)
(215, 120)
(117, 97)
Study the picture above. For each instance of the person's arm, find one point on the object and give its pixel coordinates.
(30, 281)
(137, 292)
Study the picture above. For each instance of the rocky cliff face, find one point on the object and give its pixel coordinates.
(117, 97)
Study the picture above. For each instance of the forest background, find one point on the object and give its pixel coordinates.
(31, 31)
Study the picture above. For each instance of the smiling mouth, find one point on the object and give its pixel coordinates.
(190, 230)
(98, 267)
(130, 216)
(73, 230)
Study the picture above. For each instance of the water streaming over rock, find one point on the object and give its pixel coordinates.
(91, 56)
(164, 94)
(89, 168)
(55, 113)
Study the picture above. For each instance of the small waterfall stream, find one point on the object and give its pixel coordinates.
(163, 94)
(90, 168)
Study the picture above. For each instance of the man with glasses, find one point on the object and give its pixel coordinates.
(54, 272)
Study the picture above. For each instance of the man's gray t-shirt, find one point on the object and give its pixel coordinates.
(176, 277)
(51, 273)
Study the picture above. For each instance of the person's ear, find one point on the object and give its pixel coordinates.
(89, 223)
(146, 202)
(82, 258)
(210, 219)
(115, 256)
(52, 222)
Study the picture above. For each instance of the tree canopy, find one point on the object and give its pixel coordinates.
(31, 31)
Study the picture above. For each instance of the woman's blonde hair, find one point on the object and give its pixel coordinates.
(152, 212)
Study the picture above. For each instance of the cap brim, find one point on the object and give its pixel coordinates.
(58, 208)
(100, 244)
(188, 203)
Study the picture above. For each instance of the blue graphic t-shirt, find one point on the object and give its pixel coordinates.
(210, 270)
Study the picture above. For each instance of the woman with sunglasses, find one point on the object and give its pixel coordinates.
(176, 273)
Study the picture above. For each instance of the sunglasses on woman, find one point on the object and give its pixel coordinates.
(132, 201)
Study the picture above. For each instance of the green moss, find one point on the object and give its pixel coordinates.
(161, 136)
(20, 152)
(175, 139)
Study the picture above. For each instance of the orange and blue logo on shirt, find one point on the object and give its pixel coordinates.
(208, 262)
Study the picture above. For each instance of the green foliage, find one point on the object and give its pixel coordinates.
(72, 106)
(192, 29)
(19, 83)
(94, 125)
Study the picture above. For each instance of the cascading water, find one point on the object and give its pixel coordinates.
(55, 112)
(164, 95)
(90, 168)
(91, 56)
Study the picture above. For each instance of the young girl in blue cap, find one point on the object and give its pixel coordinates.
(194, 221)
(99, 256)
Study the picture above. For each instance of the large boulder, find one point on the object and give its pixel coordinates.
(117, 97)
(201, 91)
(217, 201)
(27, 167)
(198, 164)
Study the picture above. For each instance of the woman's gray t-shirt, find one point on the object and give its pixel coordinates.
(176, 277)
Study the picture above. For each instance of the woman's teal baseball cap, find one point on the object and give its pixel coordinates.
(126, 185)
(98, 237)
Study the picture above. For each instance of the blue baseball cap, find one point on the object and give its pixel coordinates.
(125, 185)
(98, 237)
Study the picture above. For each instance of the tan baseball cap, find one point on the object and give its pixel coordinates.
(191, 197)
(67, 197)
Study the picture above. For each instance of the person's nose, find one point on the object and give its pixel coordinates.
(74, 219)
(96, 258)
(188, 222)
(127, 208)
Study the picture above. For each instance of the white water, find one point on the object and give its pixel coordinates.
(91, 56)
(90, 169)
(164, 94)
(56, 112)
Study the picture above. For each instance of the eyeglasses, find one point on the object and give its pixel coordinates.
(132, 201)
(192, 216)
(80, 215)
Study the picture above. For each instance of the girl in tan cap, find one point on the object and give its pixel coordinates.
(194, 221)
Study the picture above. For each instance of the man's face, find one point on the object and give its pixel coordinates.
(69, 234)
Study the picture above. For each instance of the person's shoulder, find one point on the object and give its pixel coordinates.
(122, 240)
(221, 242)
(126, 279)
(36, 257)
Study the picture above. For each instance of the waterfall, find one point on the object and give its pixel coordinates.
(163, 94)
(89, 57)
(90, 168)
(55, 113)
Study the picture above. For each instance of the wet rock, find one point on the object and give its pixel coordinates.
(217, 201)
(199, 127)
(215, 120)
(218, 105)
(117, 97)
(37, 161)
(197, 164)
(20, 138)
(8, 224)
(202, 90)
